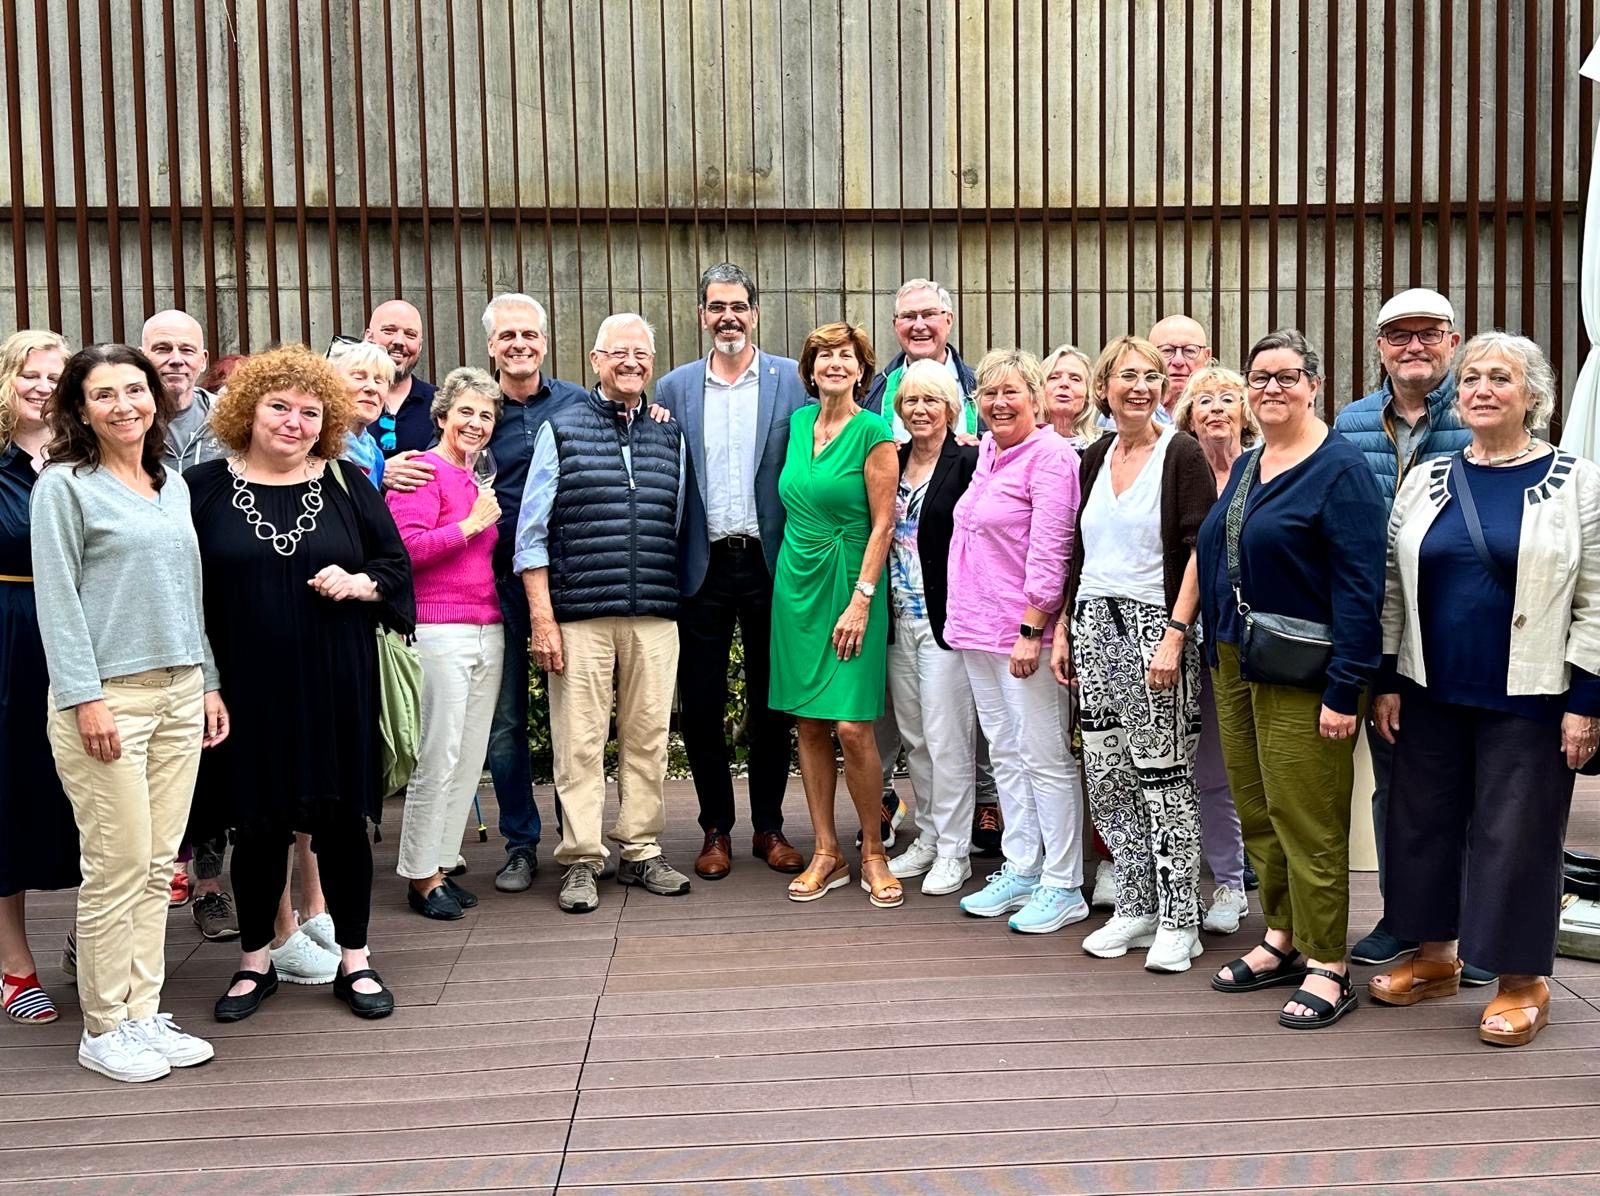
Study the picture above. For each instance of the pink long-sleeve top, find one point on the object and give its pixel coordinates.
(453, 575)
(1012, 541)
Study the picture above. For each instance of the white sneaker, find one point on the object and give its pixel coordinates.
(301, 961)
(914, 860)
(946, 876)
(1113, 939)
(320, 931)
(1105, 886)
(1173, 949)
(1228, 906)
(161, 1034)
(122, 1054)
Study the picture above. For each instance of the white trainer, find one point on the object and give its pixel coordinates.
(1173, 949)
(1105, 886)
(946, 876)
(122, 1054)
(1113, 940)
(914, 860)
(301, 961)
(161, 1034)
(320, 931)
(1228, 907)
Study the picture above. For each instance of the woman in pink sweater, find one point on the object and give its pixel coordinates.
(448, 526)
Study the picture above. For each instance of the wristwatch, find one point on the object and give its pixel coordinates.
(1179, 626)
(1029, 632)
(866, 589)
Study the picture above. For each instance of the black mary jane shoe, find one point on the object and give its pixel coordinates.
(236, 1009)
(440, 903)
(464, 898)
(1325, 1013)
(367, 1005)
(1288, 971)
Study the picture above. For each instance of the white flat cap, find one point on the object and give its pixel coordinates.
(1417, 302)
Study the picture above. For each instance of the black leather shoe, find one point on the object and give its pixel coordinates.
(464, 899)
(440, 903)
(236, 1009)
(367, 1005)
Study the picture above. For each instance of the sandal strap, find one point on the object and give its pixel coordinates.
(363, 974)
(31, 980)
(1510, 1005)
(1404, 977)
(1240, 971)
(1342, 977)
(1321, 1005)
(259, 977)
(1293, 954)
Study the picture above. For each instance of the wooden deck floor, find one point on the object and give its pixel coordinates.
(732, 1041)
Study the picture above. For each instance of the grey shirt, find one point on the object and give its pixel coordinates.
(117, 580)
(189, 437)
(1407, 436)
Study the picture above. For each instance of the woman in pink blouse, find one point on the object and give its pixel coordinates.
(1008, 557)
(448, 526)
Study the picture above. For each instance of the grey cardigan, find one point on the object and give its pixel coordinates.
(117, 580)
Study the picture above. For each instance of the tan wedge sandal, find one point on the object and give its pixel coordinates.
(1510, 1006)
(817, 881)
(1418, 980)
(887, 895)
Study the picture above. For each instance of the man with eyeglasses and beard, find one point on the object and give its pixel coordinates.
(1409, 419)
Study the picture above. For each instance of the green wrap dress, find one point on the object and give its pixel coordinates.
(827, 525)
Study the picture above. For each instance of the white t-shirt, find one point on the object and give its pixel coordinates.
(1122, 533)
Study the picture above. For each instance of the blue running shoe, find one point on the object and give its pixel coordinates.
(1007, 890)
(1050, 909)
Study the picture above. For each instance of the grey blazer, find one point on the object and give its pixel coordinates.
(682, 392)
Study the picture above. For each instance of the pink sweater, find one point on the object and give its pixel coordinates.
(1012, 541)
(453, 576)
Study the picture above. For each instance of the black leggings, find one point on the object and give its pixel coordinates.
(261, 868)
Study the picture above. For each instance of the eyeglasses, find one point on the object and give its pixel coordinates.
(1187, 352)
(1149, 377)
(643, 356)
(1399, 338)
(717, 309)
(1258, 379)
(927, 315)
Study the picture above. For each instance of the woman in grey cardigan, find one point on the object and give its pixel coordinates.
(132, 691)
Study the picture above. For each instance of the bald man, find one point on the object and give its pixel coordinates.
(175, 341)
(1183, 346)
(396, 328)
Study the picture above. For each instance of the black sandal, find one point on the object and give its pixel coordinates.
(367, 1005)
(236, 1009)
(1246, 981)
(1326, 1014)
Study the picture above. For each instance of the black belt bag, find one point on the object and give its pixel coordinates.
(1273, 649)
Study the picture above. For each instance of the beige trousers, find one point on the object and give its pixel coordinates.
(131, 814)
(635, 662)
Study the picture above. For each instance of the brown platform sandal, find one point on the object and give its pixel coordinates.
(815, 882)
(1418, 980)
(1509, 1005)
(887, 895)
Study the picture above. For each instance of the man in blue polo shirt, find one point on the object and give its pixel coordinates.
(405, 425)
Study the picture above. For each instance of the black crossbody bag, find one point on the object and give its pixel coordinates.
(1273, 649)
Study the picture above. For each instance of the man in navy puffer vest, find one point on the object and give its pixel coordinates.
(597, 548)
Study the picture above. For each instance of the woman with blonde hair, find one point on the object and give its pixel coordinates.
(369, 372)
(1066, 397)
(38, 838)
(302, 563)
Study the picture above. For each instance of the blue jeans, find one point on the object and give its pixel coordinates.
(509, 763)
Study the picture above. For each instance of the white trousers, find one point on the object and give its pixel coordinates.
(933, 708)
(1040, 792)
(461, 666)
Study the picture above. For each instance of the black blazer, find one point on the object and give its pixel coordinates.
(951, 473)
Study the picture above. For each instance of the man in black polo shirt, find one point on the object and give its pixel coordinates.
(405, 425)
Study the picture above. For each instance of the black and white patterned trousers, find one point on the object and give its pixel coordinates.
(1138, 755)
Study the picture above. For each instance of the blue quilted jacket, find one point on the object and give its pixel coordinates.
(1366, 424)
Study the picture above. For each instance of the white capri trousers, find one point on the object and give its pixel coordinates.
(933, 707)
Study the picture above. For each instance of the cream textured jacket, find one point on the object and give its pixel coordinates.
(1556, 613)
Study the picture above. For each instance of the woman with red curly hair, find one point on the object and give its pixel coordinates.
(301, 562)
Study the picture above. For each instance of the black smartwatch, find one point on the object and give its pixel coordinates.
(1029, 632)
(1179, 626)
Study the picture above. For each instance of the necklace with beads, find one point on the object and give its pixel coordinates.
(1507, 459)
(283, 543)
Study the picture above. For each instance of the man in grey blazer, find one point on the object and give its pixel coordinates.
(734, 406)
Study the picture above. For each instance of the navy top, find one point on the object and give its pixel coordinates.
(1456, 591)
(1312, 546)
(512, 445)
(410, 428)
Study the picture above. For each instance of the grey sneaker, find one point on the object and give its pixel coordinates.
(579, 893)
(655, 874)
(215, 916)
(517, 875)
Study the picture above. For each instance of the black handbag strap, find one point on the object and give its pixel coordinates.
(1469, 513)
(1235, 522)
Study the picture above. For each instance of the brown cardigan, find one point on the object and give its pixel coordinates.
(1188, 492)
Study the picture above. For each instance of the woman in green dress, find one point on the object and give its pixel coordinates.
(830, 612)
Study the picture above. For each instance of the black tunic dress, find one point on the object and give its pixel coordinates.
(38, 837)
(299, 671)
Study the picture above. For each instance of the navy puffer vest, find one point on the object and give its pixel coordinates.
(613, 532)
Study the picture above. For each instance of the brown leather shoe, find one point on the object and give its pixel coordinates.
(716, 857)
(777, 851)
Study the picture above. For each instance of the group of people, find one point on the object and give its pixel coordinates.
(1143, 586)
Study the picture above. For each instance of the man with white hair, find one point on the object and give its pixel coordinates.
(405, 425)
(597, 548)
(176, 343)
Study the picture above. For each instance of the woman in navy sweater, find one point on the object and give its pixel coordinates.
(1311, 546)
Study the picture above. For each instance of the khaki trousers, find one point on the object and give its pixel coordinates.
(633, 661)
(131, 815)
(1292, 788)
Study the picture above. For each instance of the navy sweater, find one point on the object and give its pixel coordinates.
(1312, 547)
